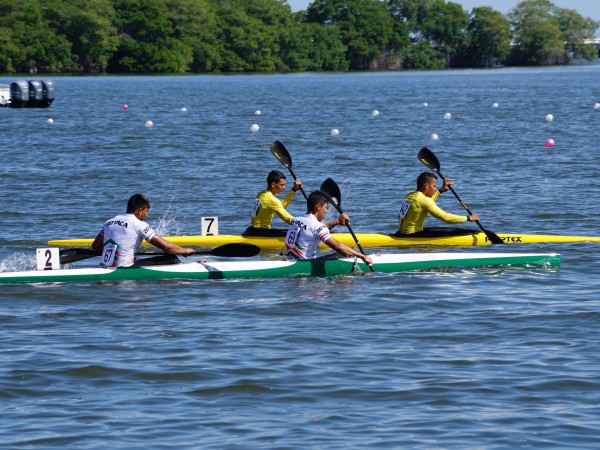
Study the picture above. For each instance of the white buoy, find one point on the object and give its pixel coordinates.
(149, 124)
(549, 118)
(425, 104)
(433, 137)
(257, 112)
(447, 116)
(375, 113)
(184, 109)
(494, 105)
(254, 127)
(596, 105)
(50, 120)
(334, 132)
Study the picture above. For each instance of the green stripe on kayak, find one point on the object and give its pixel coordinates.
(202, 270)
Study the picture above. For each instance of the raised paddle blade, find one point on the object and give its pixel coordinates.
(72, 255)
(427, 157)
(235, 250)
(332, 190)
(281, 153)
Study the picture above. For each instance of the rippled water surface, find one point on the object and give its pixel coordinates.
(465, 358)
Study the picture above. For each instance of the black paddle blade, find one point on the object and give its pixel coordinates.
(427, 157)
(72, 255)
(233, 250)
(493, 237)
(332, 190)
(281, 153)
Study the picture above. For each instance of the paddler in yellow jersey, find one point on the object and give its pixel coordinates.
(418, 204)
(266, 205)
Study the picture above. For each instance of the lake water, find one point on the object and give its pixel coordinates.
(487, 358)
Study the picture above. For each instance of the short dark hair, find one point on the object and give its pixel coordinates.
(316, 198)
(137, 201)
(425, 178)
(274, 176)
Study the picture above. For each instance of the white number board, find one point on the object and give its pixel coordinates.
(209, 226)
(48, 259)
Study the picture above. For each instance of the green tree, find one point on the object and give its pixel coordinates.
(194, 24)
(147, 41)
(30, 44)
(365, 26)
(575, 30)
(313, 47)
(537, 34)
(444, 26)
(251, 32)
(488, 39)
(421, 55)
(89, 27)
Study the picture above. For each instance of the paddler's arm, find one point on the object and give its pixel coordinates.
(288, 198)
(169, 247)
(347, 251)
(444, 216)
(278, 208)
(98, 243)
(341, 220)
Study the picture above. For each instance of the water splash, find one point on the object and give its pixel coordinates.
(18, 262)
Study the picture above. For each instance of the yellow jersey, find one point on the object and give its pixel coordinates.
(417, 206)
(266, 205)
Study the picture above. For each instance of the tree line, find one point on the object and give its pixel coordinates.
(177, 36)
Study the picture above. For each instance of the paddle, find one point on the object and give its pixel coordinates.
(281, 153)
(233, 250)
(332, 190)
(427, 157)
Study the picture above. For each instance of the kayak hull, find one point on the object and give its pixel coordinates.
(367, 240)
(203, 270)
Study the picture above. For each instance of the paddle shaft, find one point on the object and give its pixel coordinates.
(227, 250)
(295, 178)
(354, 236)
(339, 210)
(464, 205)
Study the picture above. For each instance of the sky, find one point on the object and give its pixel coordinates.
(587, 8)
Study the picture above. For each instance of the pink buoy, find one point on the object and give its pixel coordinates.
(125, 106)
(550, 143)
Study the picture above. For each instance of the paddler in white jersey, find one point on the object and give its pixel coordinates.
(125, 233)
(306, 232)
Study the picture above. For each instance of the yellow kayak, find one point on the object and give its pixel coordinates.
(367, 240)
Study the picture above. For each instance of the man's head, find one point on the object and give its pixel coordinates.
(318, 204)
(138, 205)
(276, 181)
(426, 183)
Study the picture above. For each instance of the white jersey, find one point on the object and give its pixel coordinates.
(126, 232)
(304, 236)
